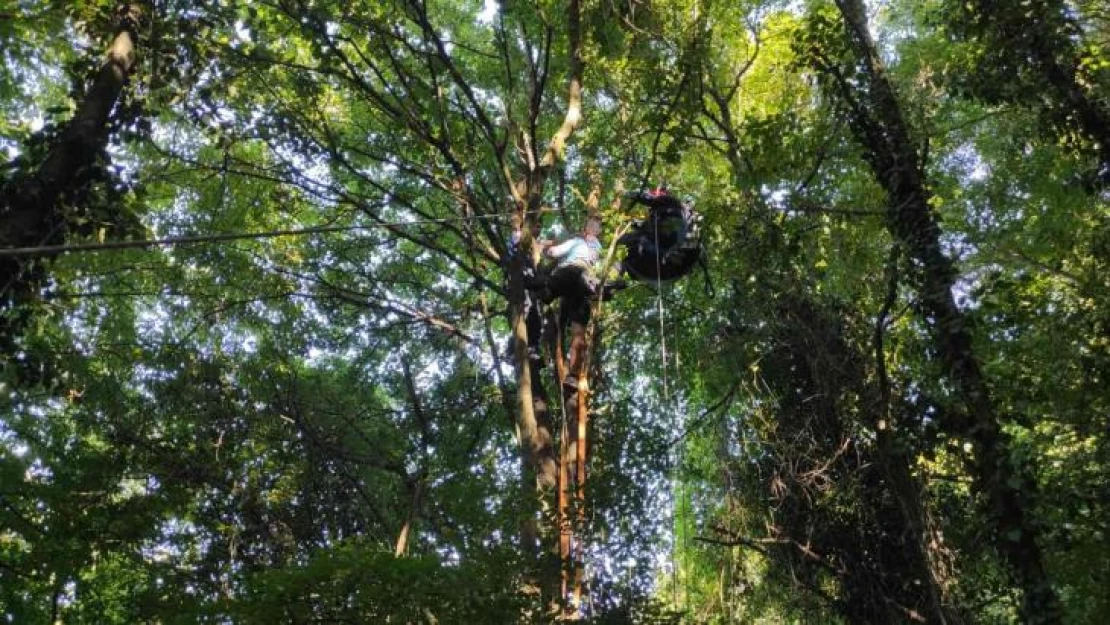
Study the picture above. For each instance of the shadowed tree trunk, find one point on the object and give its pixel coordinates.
(910, 588)
(927, 551)
(1038, 45)
(876, 119)
(878, 554)
(32, 208)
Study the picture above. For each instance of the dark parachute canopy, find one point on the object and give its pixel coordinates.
(666, 245)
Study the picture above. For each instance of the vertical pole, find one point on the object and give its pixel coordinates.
(564, 517)
(565, 530)
(580, 477)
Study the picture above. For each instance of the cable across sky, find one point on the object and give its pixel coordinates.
(52, 250)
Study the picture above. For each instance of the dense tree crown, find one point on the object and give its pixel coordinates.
(276, 346)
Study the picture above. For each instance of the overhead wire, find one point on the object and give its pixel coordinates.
(15, 275)
(70, 248)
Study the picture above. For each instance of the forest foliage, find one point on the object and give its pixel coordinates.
(885, 401)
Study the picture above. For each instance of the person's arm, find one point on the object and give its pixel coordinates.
(560, 250)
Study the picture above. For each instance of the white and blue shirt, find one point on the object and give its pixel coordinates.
(576, 252)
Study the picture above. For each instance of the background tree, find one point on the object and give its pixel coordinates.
(326, 425)
(1051, 48)
(43, 194)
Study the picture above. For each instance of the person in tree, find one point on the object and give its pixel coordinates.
(573, 282)
(533, 317)
(666, 245)
(666, 222)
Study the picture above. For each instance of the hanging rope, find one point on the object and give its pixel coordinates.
(678, 531)
(52, 250)
(661, 313)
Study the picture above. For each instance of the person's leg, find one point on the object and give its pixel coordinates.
(559, 283)
(533, 321)
(578, 307)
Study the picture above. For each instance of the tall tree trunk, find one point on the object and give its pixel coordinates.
(877, 552)
(927, 555)
(31, 210)
(1009, 487)
(934, 604)
(534, 423)
(402, 544)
